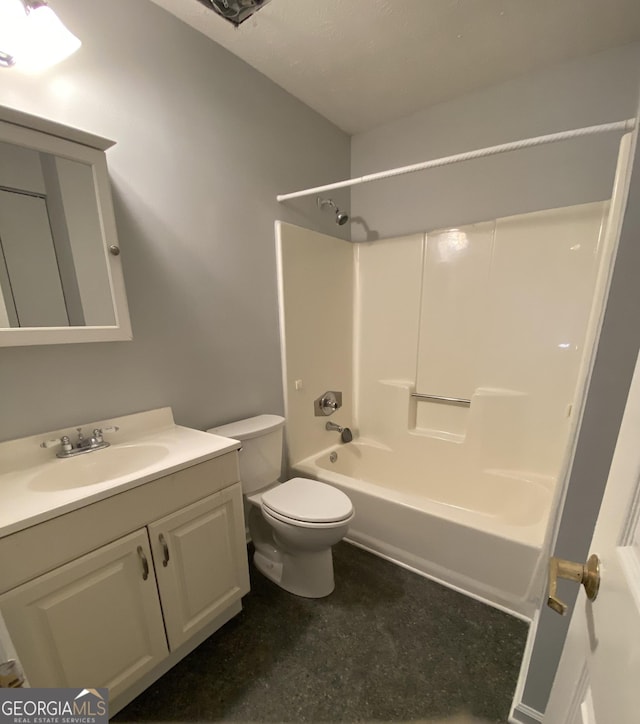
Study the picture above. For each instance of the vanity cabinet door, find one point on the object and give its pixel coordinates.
(94, 622)
(200, 556)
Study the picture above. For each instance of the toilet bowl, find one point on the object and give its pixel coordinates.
(292, 524)
(304, 518)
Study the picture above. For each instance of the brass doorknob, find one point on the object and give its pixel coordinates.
(586, 573)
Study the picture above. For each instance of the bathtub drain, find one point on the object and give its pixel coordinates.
(333, 456)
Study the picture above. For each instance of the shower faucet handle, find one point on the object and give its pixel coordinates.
(327, 403)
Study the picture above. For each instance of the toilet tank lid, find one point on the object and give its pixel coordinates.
(251, 427)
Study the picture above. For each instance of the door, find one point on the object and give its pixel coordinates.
(28, 261)
(599, 672)
(201, 563)
(94, 622)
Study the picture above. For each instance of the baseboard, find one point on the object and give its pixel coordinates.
(523, 714)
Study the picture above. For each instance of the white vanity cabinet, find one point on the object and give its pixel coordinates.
(176, 561)
(200, 562)
(96, 619)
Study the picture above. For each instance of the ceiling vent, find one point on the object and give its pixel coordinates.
(235, 11)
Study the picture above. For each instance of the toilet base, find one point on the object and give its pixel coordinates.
(306, 574)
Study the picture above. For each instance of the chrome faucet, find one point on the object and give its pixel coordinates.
(83, 444)
(345, 433)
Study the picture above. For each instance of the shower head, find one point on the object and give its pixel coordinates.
(341, 217)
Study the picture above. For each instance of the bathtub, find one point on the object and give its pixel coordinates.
(482, 537)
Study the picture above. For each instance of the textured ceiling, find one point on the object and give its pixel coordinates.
(362, 63)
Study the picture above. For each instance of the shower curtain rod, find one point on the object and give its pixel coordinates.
(623, 126)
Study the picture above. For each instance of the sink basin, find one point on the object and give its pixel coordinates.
(36, 486)
(97, 466)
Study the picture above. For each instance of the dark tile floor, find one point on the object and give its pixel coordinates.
(386, 646)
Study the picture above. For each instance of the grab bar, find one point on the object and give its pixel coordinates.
(440, 398)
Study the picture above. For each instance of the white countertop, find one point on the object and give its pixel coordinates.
(29, 493)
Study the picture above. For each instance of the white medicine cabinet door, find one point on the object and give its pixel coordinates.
(94, 622)
(201, 564)
(61, 278)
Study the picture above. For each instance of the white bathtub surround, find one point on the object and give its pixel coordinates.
(503, 314)
(495, 313)
(315, 282)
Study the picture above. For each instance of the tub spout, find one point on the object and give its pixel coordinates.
(345, 433)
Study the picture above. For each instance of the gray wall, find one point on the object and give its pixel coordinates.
(204, 144)
(594, 90)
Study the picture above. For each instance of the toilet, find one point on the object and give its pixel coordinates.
(292, 524)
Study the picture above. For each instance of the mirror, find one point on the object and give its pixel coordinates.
(60, 271)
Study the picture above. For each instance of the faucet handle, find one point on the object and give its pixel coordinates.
(63, 441)
(327, 403)
(99, 431)
(102, 430)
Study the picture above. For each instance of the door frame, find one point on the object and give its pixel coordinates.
(605, 381)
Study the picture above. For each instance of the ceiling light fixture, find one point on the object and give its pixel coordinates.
(32, 37)
(235, 11)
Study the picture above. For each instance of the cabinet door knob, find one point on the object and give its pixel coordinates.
(165, 550)
(145, 563)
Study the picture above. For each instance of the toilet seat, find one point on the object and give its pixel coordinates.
(271, 516)
(307, 503)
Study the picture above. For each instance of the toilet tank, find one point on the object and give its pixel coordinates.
(261, 454)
